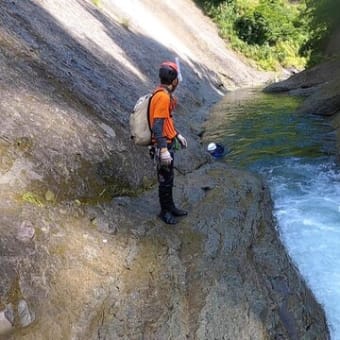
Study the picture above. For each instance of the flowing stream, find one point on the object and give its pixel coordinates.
(295, 154)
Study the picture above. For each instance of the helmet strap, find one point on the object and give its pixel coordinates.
(174, 85)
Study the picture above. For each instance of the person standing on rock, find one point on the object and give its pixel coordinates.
(166, 139)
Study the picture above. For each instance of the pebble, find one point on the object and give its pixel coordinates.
(25, 315)
(5, 324)
(25, 232)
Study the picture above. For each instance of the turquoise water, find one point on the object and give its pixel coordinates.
(295, 154)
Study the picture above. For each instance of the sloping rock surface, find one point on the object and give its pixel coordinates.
(82, 253)
(113, 271)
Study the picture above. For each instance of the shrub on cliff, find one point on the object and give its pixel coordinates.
(269, 32)
(323, 20)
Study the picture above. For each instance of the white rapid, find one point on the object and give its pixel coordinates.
(306, 195)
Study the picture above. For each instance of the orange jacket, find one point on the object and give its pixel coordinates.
(161, 106)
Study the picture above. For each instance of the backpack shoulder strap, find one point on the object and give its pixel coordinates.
(159, 89)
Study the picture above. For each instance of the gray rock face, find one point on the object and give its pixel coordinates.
(82, 253)
(320, 86)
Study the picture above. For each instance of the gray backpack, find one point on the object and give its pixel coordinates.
(140, 128)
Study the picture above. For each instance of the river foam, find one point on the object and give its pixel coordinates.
(307, 207)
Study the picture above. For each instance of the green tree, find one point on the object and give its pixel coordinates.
(323, 19)
(267, 31)
(252, 29)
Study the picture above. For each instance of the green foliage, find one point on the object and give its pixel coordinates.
(96, 2)
(125, 23)
(253, 29)
(271, 32)
(323, 19)
(32, 198)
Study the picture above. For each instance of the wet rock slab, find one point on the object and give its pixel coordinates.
(218, 269)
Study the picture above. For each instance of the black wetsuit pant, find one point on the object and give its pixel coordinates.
(165, 176)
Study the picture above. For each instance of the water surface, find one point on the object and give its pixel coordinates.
(296, 155)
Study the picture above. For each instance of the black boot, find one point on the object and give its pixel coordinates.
(167, 217)
(174, 210)
(178, 212)
(165, 202)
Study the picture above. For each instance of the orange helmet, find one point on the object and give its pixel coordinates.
(168, 72)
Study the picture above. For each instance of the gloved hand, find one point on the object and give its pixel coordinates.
(165, 158)
(182, 141)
